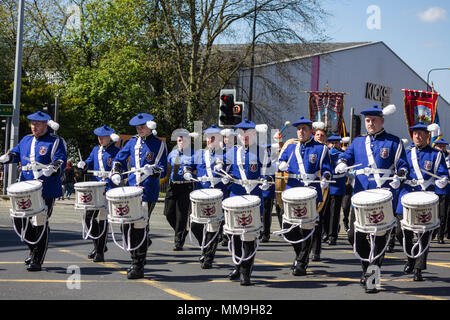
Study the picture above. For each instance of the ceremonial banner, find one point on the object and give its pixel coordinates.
(420, 106)
(327, 107)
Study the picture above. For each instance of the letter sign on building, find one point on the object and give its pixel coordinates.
(378, 93)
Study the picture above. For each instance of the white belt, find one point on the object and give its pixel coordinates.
(309, 176)
(242, 182)
(214, 180)
(337, 176)
(180, 182)
(368, 171)
(416, 183)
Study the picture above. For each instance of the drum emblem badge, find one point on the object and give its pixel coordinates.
(87, 197)
(43, 150)
(122, 211)
(375, 217)
(208, 211)
(244, 220)
(428, 165)
(24, 204)
(299, 211)
(424, 217)
(384, 153)
(312, 158)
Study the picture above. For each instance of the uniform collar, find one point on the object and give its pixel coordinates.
(422, 148)
(306, 142)
(378, 134)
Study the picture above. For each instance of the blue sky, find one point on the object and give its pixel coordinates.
(417, 31)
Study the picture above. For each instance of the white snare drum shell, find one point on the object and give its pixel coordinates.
(26, 198)
(124, 204)
(420, 210)
(90, 195)
(242, 214)
(299, 206)
(206, 205)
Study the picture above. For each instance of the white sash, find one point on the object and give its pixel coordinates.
(208, 167)
(301, 168)
(372, 163)
(33, 158)
(100, 158)
(137, 160)
(246, 183)
(424, 184)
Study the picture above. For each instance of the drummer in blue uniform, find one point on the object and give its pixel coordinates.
(381, 156)
(148, 160)
(336, 191)
(303, 161)
(268, 195)
(422, 157)
(43, 147)
(208, 164)
(100, 160)
(444, 208)
(246, 161)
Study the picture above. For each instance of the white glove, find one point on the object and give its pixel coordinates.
(48, 171)
(341, 168)
(323, 183)
(4, 158)
(225, 180)
(104, 174)
(441, 183)
(187, 176)
(218, 166)
(148, 169)
(395, 184)
(116, 179)
(283, 166)
(81, 164)
(265, 185)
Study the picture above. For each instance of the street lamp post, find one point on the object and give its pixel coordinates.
(428, 76)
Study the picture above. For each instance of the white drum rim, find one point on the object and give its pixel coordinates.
(253, 201)
(23, 214)
(89, 184)
(111, 194)
(286, 194)
(206, 197)
(32, 185)
(406, 199)
(356, 201)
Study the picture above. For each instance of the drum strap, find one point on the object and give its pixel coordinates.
(301, 168)
(137, 160)
(248, 187)
(100, 158)
(208, 167)
(372, 163)
(424, 184)
(33, 158)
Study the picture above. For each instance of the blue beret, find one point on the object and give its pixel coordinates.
(334, 138)
(246, 124)
(141, 119)
(375, 110)
(302, 120)
(39, 116)
(213, 130)
(103, 131)
(419, 126)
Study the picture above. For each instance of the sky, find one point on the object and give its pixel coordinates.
(418, 31)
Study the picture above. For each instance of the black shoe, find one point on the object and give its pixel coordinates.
(135, 272)
(91, 254)
(325, 238)
(28, 260)
(149, 241)
(99, 257)
(178, 247)
(408, 269)
(418, 275)
(34, 266)
(373, 290)
(245, 280)
(390, 249)
(206, 265)
(234, 275)
(299, 270)
(224, 242)
(316, 257)
(346, 228)
(363, 279)
(265, 238)
(441, 241)
(332, 241)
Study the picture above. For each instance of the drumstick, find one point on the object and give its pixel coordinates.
(79, 154)
(431, 174)
(356, 165)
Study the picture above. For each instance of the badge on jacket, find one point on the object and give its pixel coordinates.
(384, 153)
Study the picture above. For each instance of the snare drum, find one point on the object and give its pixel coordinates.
(26, 198)
(420, 211)
(90, 195)
(125, 205)
(206, 205)
(300, 206)
(373, 211)
(242, 214)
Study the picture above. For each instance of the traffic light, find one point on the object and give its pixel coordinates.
(230, 111)
(355, 126)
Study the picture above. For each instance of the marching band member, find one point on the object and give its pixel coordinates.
(177, 202)
(346, 200)
(336, 192)
(380, 155)
(444, 209)
(148, 160)
(302, 161)
(100, 160)
(48, 149)
(422, 156)
(245, 168)
(207, 162)
(268, 195)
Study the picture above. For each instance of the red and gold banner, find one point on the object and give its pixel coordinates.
(328, 107)
(420, 106)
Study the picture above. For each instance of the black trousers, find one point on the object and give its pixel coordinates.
(334, 209)
(139, 254)
(443, 215)
(245, 267)
(302, 249)
(208, 252)
(267, 216)
(346, 204)
(321, 228)
(421, 261)
(97, 228)
(177, 207)
(32, 234)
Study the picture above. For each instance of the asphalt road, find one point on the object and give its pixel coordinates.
(176, 275)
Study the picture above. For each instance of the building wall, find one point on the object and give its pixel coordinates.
(346, 70)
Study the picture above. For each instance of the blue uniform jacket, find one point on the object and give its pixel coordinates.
(315, 157)
(152, 151)
(201, 167)
(184, 160)
(337, 188)
(108, 154)
(48, 148)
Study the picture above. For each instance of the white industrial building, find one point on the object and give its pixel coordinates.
(279, 86)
